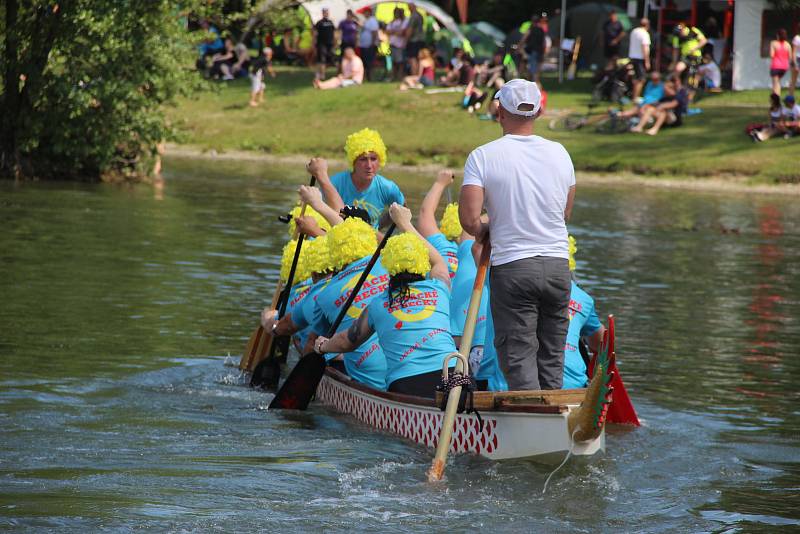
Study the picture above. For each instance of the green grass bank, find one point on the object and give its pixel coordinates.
(424, 128)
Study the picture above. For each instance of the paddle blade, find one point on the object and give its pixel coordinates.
(266, 374)
(301, 384)
(621, 411)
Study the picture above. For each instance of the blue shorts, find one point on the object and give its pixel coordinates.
(533, 62)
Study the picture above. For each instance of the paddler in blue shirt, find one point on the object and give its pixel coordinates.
(296, 321)
(447, 237)
(583, 323)
(351, 245)
(361, 187)
(411, 316)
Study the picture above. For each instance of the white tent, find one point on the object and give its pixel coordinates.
(338, 10)
(750, 70)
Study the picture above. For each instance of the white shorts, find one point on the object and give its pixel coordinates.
(257, 81)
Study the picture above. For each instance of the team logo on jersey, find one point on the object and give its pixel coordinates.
(417, 307)
(373, 285)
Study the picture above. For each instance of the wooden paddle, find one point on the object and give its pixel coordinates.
(301, 384)
(576, 49)
(261, 341)
(446, 434)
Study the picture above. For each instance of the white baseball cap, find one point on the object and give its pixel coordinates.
(519, 92)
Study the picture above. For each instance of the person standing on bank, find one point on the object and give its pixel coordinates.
(527, 184)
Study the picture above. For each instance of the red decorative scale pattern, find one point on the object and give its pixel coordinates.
(419, 425)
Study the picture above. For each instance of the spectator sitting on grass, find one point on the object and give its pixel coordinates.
(461, 76)
(669, 110)
(225, 59)
(257, 67)
(352, 72)
(712, 77)
(426, 72)
(653, 93)
(241, 64)
(450, 79)
(791, 115)
(774, 126)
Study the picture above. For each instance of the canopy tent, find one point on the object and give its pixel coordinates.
(586, 21)
(484, 37)
(338, 11)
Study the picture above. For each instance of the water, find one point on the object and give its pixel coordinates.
(121, 304)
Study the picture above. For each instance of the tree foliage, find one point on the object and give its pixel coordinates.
(84, 83)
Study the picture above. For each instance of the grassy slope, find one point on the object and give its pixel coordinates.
(421, 128)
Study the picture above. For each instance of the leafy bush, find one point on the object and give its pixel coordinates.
(84, 83)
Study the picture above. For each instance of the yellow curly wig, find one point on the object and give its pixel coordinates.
(450, 225)
(364, 141)
(406, 253)
(302, 271)
(349, 241)
(317, 256)
(311, 212)
(573, 248)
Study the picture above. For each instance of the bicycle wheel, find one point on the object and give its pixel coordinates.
(612, 125)
(567, 123)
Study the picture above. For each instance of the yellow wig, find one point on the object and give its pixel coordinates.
(302, 271)
(364, 141)
(406, 253)
(573, 248)
(311, 212)
(317, 256)
(450, 225)
(349, 241)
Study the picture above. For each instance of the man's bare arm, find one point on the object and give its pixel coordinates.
(318, 168)
(570, 202)
(470, 205)
(426, 221)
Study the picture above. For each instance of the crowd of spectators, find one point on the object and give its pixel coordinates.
(359, 46)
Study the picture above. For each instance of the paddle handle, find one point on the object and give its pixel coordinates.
(335, 326)
(448, 421)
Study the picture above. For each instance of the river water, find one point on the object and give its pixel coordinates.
(121, 306)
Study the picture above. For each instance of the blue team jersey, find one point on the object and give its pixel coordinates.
(583, 321)
(462, 291)
(297, 295)
(303, 312)
(367, 363)
(415, 334)
(448, 250)
(652, 93)
(377, 197)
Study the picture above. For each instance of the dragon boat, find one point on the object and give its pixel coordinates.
(512, 424)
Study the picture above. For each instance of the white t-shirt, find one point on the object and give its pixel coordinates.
(366, 38)
(796, 45)
(398, 40)
(711, 71)
(639, 37)
(526, 180)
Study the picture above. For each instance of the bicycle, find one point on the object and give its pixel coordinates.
(606, 123)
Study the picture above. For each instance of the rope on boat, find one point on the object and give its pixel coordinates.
(569, 453)
(468, 387)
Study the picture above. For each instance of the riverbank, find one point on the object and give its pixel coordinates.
(432, 129)
(721, 184)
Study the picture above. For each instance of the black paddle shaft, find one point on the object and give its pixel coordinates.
(361, 280)
(302, 382)
(285, 296)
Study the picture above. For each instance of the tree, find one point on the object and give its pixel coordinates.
(83, 84)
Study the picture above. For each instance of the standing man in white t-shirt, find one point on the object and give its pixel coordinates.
(368, 42)
(639, 53)
(527, 185)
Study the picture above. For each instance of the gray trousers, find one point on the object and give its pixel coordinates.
(530, 301)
